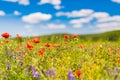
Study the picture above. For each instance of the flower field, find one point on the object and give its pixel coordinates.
(58, 58)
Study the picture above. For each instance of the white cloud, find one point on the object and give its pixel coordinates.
(102, 27)
(58, 7)
(55, 3)
(100, 20)
(55, 26)
(100, 15)
(75, 13)
(2, 13)
(116, 1)
(77, 25)
(110, 19)
(44, 1)
(107, 25)
(22, 2)
(17, 13)
(81, 20)
(36, 17)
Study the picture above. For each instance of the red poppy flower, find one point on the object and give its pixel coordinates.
(65, 42)
(18, 36)
(66, 36)
(81, 46)
(78, 73)
(47, 44)
(35, 40)
(29, 46)
(41, 51)
(74, 35)
(56, 45)
(5, 35)
(118, 51)
(118, 61)
(110, 49)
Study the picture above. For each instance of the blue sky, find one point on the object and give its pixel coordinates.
(40, 17)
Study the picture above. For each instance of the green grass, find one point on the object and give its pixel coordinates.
(97, 60)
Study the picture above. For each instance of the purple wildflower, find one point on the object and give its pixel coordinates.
(53, 73)
(35, 73)
(117, 70)
(50, 73)
(116, 79)
(111, 71)
(70, 75)
(107, 69)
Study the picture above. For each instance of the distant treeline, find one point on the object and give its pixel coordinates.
(106, 36)
(109, 36)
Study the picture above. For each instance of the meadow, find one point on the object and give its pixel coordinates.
(60, 57)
